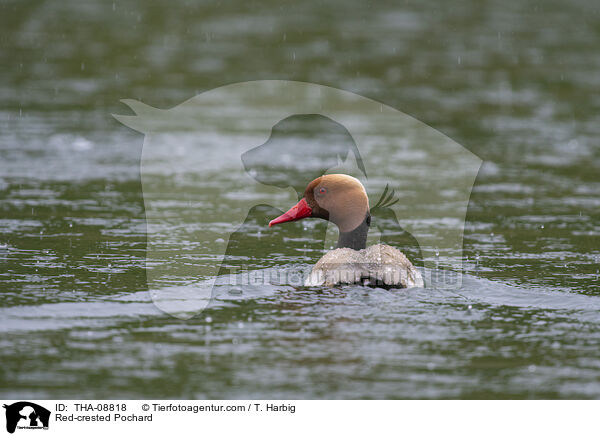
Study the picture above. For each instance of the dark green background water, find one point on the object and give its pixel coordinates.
(516, 82)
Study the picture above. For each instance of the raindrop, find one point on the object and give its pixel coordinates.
(114, 6)
(555, 345)
(459, 60)
(235, 291)
(240, 325)
(208, 319)
(82, 66)
(531, 368)
(71, 225)
(542, 226)
(469, 307)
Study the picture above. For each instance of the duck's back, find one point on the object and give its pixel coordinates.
(376, 265)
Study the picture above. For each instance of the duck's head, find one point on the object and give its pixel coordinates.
(338, 198)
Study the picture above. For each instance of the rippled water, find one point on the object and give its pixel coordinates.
(513, 82)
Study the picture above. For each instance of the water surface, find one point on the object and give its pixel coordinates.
(513, 82)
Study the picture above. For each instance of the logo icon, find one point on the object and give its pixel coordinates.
(26, 415)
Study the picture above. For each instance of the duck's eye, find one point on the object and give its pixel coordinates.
(322, 190)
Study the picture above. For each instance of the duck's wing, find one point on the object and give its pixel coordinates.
(391, 267)
(339, 266)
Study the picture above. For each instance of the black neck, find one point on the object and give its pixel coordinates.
(357, 238)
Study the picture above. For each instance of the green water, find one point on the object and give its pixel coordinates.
(514, 82)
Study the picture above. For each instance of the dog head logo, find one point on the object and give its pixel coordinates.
(26, 415)
(237, 137)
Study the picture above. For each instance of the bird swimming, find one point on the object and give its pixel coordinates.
(342, 200)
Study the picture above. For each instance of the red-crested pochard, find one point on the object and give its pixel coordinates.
(342, 199)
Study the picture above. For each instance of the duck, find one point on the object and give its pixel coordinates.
(342, 200)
